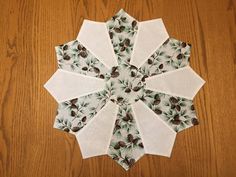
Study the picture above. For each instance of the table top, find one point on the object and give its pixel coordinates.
(29, 30)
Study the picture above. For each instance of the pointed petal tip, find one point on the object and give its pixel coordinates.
(121, 11)
(200, 80)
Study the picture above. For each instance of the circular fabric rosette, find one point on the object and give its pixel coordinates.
(124, 88)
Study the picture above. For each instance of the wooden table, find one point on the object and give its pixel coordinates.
(29, 30)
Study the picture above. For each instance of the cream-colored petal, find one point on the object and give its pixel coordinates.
(94, 139)
(65, 85)
(183, 82)
(94, 36)
(151, 35)
(158, 138)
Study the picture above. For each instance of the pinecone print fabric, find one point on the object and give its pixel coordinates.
(122, 30)
(126, 145)
(127, 85)
(73, 115)
(74, 57)
(177, 112)
(172, 54)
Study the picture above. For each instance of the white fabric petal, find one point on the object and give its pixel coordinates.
(65, 85)
(157, 136)
(94, 36)
(183, 82)
(151, 35)
(94, 139)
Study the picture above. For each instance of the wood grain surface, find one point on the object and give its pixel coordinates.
(29, 30)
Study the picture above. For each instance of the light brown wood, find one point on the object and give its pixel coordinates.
(29, 30)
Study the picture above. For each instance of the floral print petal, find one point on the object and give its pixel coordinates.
(73, 115)
(126, 145)
(73, 56)
(177, 112)
(122, 30)
(171, 55)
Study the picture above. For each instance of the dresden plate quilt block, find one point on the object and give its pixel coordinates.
(124, 88)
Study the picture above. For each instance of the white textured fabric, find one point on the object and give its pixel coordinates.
(157, 136)
(65, 85)
(151, 35)
(94, 36)
(94, 139)
(183, 82)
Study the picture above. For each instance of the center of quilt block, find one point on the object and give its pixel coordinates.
(125, 84)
